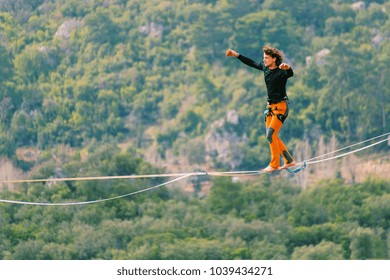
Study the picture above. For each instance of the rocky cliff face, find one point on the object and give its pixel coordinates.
(222, 143)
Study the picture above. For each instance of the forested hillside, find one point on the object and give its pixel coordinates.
(119, 87)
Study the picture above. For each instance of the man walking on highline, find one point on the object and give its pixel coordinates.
(276, 74)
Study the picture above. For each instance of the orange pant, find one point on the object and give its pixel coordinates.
(275, 117)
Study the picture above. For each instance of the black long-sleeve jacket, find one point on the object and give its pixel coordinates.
(275, 79)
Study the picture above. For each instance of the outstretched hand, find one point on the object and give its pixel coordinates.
(284, 66)
(231, 53)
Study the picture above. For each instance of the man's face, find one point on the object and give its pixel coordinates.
(269, 60)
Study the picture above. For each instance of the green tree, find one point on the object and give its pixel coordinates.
(6, 67)
(33, 62)
(305, 12)
(268, 27)
(323, 251)
(7, 143)
(197, 249)
(329, 201)
(265, 250)
(366, 243)
(202, 35)
(314, 235)
(225, 196)
(91, 244)
(28, 250)
(24, 128)
(376, 212)
(101, 28)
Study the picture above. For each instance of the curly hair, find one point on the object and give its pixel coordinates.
(274, 53)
